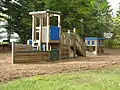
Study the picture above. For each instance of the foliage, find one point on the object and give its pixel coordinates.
(90, 17)
(116, 27)
(86, 80)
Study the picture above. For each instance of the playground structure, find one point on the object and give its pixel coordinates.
(95, 45)
(48, 42)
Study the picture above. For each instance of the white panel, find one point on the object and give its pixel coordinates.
(44, 34)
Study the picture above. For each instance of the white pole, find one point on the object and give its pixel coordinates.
(59, 21)
(33, 20)
(48, 29)
(74, 30)
(40, 29)
(59, 25)
(13, 52)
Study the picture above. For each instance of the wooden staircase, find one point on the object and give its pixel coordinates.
(75, 43)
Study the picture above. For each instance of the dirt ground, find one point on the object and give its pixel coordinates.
(9, 72)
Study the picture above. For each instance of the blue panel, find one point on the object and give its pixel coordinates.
(88, 42)
(54, 33)
(93, 38)
(92, 42)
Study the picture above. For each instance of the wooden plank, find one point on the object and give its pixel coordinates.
(35, 62)
(23, 47)
(66, 53)
(25, 60)
(64, 57)
(64, 50)
(31, 57)
(54, 41)
(32, 53)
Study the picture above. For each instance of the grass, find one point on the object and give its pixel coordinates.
(4, 43)
(116, 46)
(86, 80)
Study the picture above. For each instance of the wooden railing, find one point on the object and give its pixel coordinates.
(81, 45)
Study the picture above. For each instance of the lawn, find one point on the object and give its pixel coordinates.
(86, 80)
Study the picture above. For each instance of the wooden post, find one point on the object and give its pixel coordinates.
(96, 47)
(48, 30)
(69, 42)
(74, 45)
(59, 25)
(13, 52)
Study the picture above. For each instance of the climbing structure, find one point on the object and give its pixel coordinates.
(48, 42)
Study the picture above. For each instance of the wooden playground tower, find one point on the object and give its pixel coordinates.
(49, 36)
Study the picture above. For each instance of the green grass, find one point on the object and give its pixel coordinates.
(87, 80)
(4, 43)
(116, 46)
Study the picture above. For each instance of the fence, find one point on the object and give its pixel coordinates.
(27, 54)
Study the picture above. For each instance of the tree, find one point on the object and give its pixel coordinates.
(18, 18)
(90, 17)
(101, 18)
(7, 13)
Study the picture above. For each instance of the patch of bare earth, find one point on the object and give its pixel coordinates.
(9, 72)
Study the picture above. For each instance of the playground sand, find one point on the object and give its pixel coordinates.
(9, 72)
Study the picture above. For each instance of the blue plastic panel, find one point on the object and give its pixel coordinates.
(92, 42)
(88, 42)
(93, 38)
(54, 33)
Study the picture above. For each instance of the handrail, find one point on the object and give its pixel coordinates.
(81, 42)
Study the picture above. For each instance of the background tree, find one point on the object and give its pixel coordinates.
(90, 17)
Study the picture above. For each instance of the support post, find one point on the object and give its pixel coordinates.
(13, 52)
(59, 25)
(33, 28)
(40, 32)
(96, 47)
(48, 30)
(69, 44)
(74, 45)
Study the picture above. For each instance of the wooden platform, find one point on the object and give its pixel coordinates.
(22, 53)
(30, 57)
(26, 54)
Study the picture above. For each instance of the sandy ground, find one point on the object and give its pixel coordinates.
(9, 72)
